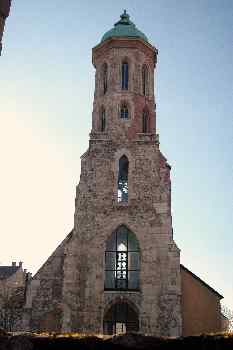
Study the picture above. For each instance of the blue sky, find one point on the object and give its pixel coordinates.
(47, 83)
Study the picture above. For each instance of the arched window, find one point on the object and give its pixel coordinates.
(145, 121)
(144, 80)
(124, 111)
(102, 120)
(120, 318)
(105, 77)
(123, 179)
(122, 262)
(125, 75)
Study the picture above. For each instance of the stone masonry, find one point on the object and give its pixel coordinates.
(68, 292)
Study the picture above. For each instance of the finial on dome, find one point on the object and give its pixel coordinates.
(124, 18)
(124, 28)
(125, 14)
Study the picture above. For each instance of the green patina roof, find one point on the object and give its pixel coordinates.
(124, 28)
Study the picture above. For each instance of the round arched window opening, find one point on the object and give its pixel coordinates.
(122, 261)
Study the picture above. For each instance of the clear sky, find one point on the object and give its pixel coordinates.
(46, 94)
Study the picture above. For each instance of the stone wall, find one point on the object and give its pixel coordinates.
(43, 308)
(147, 214)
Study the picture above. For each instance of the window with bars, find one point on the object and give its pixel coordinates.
(124, 76)
(122, 261)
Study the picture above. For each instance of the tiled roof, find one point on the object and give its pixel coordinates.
(7, 271)
(201, 281)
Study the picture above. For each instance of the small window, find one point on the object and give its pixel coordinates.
(105, 77)
(125, 76)
(102, 120)
(145, 121)
(144, 80)
(124, 112)
(123, 179)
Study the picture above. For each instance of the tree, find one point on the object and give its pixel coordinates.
(228, 313)
(11, 306)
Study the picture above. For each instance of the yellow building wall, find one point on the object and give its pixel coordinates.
(200, 306)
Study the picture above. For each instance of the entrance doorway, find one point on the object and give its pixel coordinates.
(120, 318)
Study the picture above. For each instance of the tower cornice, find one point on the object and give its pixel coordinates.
(123, 42)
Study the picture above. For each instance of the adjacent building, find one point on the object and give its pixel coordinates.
(13, 285)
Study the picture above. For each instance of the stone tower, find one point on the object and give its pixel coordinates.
(122, 266)
(119, 268)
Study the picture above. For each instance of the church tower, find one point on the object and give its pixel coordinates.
(121, 268)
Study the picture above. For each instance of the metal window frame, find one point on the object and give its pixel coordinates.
(128, 270)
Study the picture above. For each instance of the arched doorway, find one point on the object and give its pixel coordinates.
(120, 318)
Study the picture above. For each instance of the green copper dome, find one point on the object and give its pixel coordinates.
(124, 28)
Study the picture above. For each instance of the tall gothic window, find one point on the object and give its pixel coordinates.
(124, 111)
(123, 179)
(125, 76)
(102, 120)
(122, 261)
(105, 78)
(145, 121)
(144, 80)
